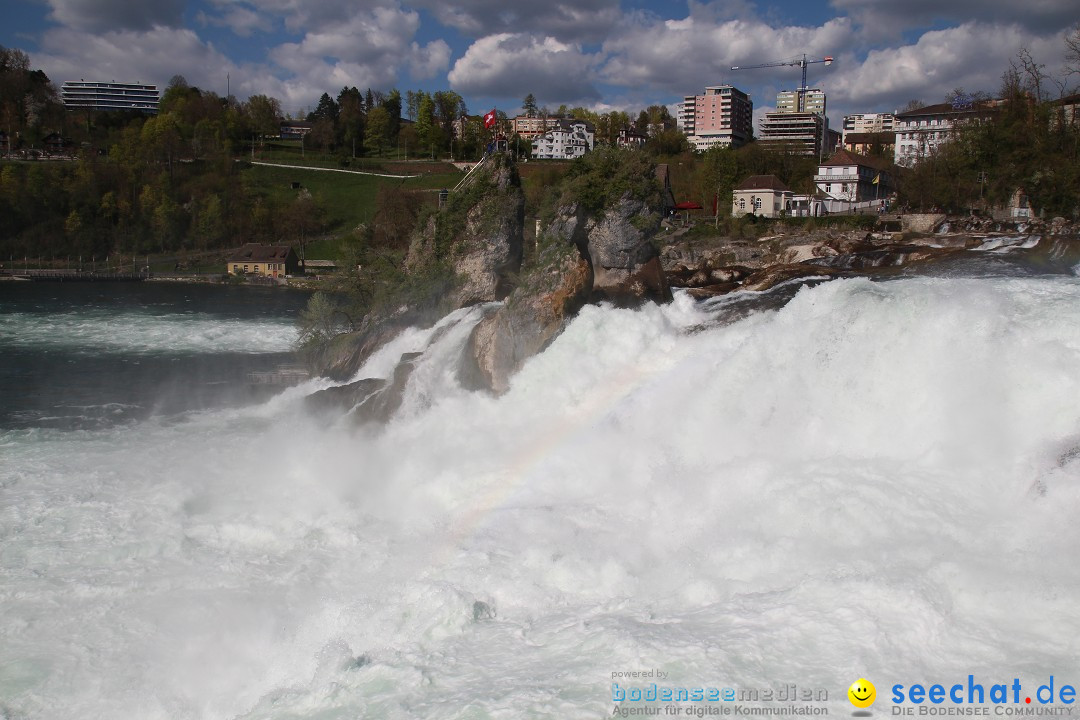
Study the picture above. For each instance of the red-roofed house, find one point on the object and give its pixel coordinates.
(267, 260)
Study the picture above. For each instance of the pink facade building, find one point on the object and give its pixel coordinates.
(723, 115)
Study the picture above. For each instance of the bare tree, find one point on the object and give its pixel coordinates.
(1072, 52)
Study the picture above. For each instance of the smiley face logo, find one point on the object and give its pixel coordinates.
(862, 693)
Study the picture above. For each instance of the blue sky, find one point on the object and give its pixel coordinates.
(602, 54)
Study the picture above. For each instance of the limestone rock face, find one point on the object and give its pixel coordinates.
(622, 254)
(618, 246)
(478, 235)
(533, 315)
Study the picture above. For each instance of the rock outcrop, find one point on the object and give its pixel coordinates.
(478, 234)
(552, 293)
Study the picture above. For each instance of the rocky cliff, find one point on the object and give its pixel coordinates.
(477, 236)
(597, 245)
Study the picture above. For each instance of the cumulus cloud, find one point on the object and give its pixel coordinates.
(152, 56)
(657, 53)
(429, 60)
(243, 21)
(565, 20)
(98, 15)
(515, 64)
(972, 56)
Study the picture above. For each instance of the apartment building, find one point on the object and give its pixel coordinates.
(109, 96)
(787, 101)
(722, 115)
(920, 132)
(569, 139)
(529, 127)
(802, 133)
(865, 123)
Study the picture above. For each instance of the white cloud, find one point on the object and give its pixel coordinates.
(565, 20)
(152, 56)
(430, 60)
(243, 21)
(972, 56)
(515, 64)
(683, 56)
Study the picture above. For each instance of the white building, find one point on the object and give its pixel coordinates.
(920, 132)
(570, 139)
(847, 181)
(868, 123)
(763, 195)
(722, 116)
(109, 96)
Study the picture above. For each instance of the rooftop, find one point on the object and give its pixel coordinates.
(254, 252)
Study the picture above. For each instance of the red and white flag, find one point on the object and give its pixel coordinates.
(489, 119)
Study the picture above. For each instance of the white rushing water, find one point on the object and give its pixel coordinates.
(878, 480)
(104, 331)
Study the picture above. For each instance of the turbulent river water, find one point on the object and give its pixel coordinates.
(859, 478)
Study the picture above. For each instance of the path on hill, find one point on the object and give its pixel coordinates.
(337, 170)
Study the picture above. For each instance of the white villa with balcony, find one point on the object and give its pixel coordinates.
(570, 139)
(848, 180)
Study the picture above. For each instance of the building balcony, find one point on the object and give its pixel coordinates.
(846, 178)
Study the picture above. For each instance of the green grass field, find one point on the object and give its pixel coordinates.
(347, 199)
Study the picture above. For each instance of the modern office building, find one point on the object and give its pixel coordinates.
(723, 116)
(805, 132)
(109, 96)
(801, 133)
(787, 101)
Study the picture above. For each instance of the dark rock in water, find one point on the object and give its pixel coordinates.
(535, 313)
(342, 357)
(772, 276)
(367, 400)
(380, 406)
(343, 397)
(482, 611)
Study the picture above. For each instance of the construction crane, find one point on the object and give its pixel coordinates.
(794, 63)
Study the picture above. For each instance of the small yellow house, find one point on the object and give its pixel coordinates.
(266, 260)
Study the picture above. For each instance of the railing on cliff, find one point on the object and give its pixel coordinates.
(469, 176)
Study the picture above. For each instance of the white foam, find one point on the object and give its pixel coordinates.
(874, 481)
(132, 332)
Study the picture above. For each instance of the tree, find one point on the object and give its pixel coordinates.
(719, 172)
(350, 125)
(392, 104)
(1072, 51)
(327, 109)
(264, 114)
(302, 220)
(378, 129)
(528, 106)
